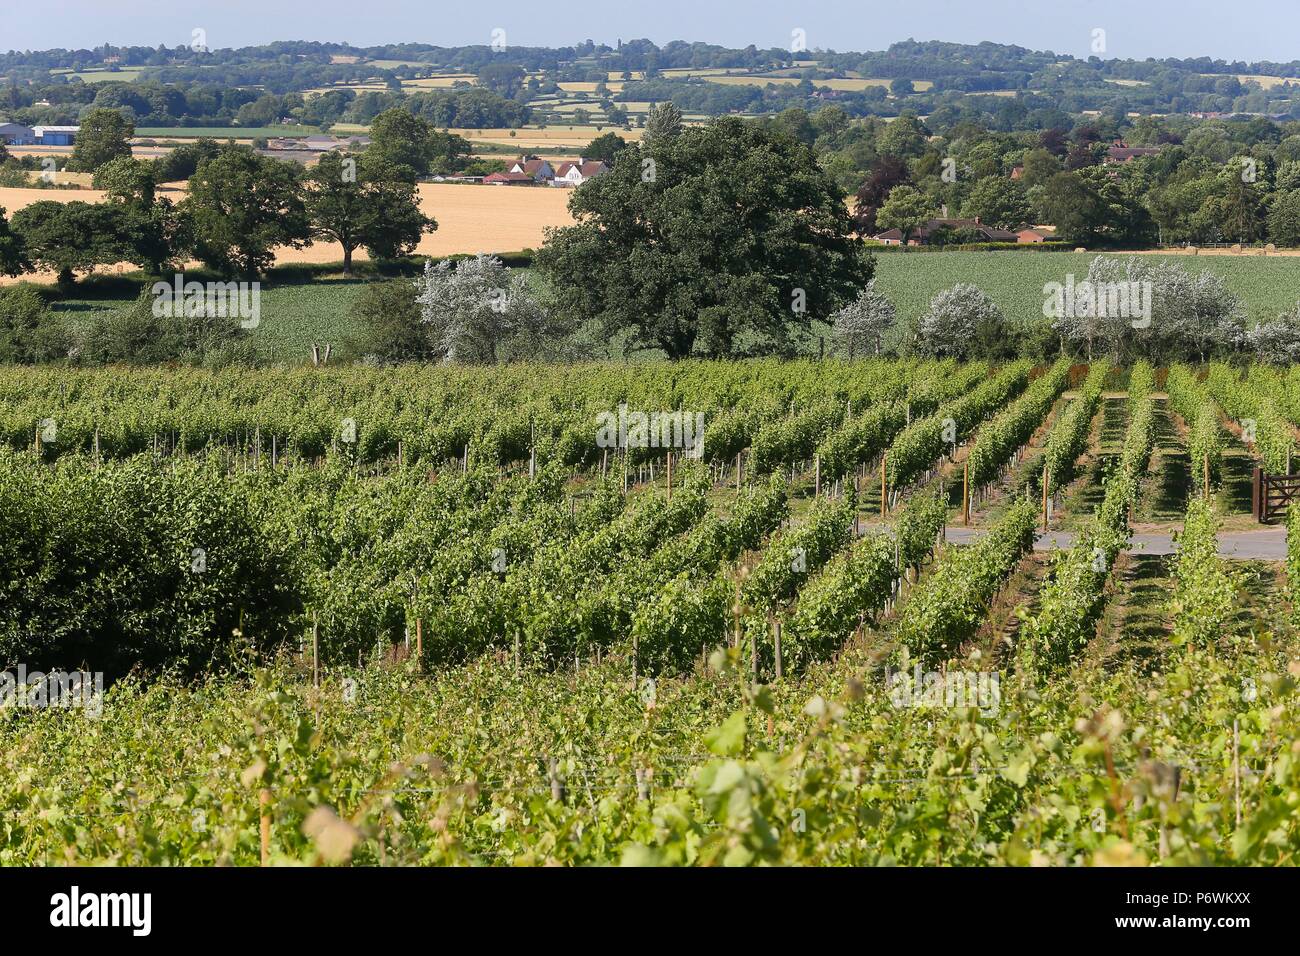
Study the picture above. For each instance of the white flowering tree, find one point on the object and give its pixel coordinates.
(862, 325)
(957, 319)
(1276, 342)
(1198, 312)
(1182, 316)
(475, 306)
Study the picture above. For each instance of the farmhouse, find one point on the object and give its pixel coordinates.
(533, 170)
(1123, 153)
(539, 169)
(575, 174)
(1029, 234)
(13, 134)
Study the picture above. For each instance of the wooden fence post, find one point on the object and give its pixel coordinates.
(264, 802)
(965, 493)
(315, 650)
(776, 647)
(884, 486)
(1046, 481)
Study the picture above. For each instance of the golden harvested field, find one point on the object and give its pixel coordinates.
(437, 82)
(564, 138)
(355, 87)
(470, 219)
(852, 85)
(614, 86)
(678, 73)
(1266, 82)
(13, 199)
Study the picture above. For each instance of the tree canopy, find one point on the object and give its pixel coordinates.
(723, 239)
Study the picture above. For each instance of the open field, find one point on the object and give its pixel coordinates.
(220, 132)
(1269, 285)
(850, 84)
(471, 219)
(402, 580)
(126, 74)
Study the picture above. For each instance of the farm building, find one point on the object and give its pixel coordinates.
(1123, 153)
(539, 169)
(1035, 233)
(575, 174)
(509, 179)
(14, 134)
(56, 135)
(542, 172)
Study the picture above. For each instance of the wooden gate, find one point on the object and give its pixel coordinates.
(1273, 494)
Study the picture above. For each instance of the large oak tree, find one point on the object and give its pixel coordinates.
(724, 239)
(243, 205)
(365, 202)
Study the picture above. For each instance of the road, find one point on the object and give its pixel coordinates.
(1266, 545)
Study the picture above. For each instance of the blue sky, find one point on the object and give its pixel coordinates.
(1261, 30)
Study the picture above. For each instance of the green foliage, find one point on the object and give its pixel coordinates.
(1069, 436)
(999, 439)
(1205, 591)
(1191, 399)
(389, 325)
(243, 206)
(773, 254)
(70, 237)
(105, 135)
(364, 202)
(919, 446)
(948, 606)
(29, 332)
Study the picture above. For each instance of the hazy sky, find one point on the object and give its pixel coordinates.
(1259, 30)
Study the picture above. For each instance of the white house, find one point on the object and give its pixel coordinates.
(575, 174)
(540, 169)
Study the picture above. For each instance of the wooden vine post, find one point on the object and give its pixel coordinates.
(264, 802)
(670, 474)
(419, 643)
(884, 485)
(776, 647)
(1207, 478)
(965, 493)
(1046, 479)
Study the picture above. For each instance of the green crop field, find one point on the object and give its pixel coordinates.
(1267, 285)
(293, 316)
(445, 587)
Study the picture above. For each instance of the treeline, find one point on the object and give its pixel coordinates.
(153, 103)
(1212, 181)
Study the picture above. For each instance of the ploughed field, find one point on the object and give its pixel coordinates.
(692, 613)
